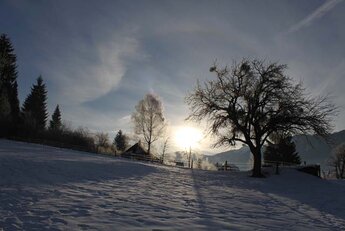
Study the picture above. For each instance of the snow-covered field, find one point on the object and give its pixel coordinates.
(46, 188)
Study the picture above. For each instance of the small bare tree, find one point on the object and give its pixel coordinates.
(102, 140)
(148, 119)
(165, 148)
(252, 100)
(338, 161)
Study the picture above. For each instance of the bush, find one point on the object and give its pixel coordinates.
(103, 145)
(66, 137)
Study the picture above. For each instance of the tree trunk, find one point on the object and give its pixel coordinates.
(342, 170)
(149, 150)
(257, 163)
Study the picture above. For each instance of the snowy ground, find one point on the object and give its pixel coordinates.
(45, 188)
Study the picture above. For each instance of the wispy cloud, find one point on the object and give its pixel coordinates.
(79, 78)
(318, 13)
(100, 59)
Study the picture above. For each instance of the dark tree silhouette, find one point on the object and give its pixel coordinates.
(35, 106)
(253, 99)
(5, 114)
(121, 141)
(5, 107)
(282, 150)
(55, 123)
(338, 161)
(148, 119)
(8, 81)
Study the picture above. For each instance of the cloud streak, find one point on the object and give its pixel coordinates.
(318, 13)
(93, 75)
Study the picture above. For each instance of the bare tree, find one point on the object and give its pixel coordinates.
(253, 99)
(148, 119)
(102, 140)
(165, 148)
(338, 161)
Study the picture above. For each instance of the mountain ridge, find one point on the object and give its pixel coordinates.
(311, 148)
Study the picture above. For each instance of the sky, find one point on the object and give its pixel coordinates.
(99, 58)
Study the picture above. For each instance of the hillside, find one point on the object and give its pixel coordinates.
(46, 188)
(240, 157)
(312, 149)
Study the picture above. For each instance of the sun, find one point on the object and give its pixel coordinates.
(188, 137)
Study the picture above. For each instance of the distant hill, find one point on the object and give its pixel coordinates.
(312, 149)
(240, 157)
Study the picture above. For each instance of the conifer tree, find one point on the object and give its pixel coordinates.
(5, 107)
(5, 111)
(55, 123)
(283, 151)
(35, 105)
(8, 76)
(121, 141)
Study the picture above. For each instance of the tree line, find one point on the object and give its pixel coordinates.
(32, 116)
(30, 121)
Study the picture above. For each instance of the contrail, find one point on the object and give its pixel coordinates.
(318, 13)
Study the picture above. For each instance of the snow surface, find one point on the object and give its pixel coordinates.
(46, 188)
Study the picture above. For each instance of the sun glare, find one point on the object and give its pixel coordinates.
(186, 137)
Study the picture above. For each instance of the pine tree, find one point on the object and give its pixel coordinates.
(283, 151)
(35, 105)
(5, 111)
(121, 141)
(8, 76)
(55, 123)
(5, 107)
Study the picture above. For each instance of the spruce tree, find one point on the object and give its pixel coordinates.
(5, 107)
(55, 123)
(283, 151)
(8, 76)
(121, 141)
(35, 106)
(5, 111)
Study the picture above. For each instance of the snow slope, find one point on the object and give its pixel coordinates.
(46, 188)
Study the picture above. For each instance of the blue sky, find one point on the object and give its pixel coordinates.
(99, 58)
